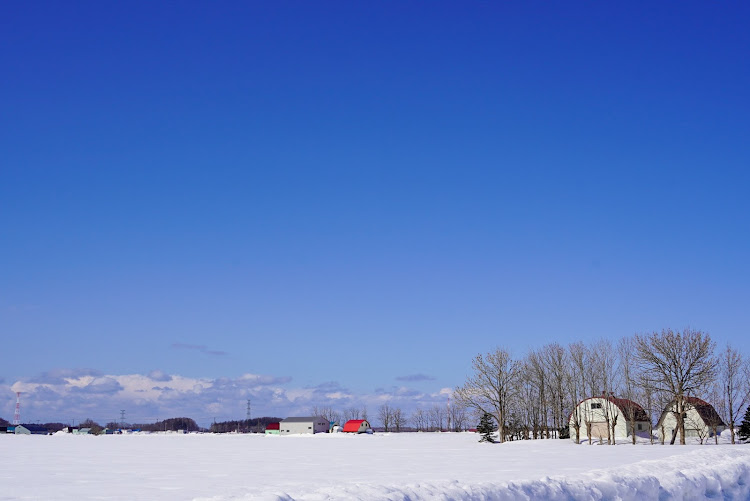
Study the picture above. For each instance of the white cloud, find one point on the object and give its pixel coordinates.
(67, 394)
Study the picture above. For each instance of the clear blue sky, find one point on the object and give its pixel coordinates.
(360, 196)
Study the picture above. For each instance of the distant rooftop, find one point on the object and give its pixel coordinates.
(303, 419)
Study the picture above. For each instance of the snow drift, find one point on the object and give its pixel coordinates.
(692, 476)
(397, 467)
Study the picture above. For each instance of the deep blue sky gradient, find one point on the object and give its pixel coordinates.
(357, 191)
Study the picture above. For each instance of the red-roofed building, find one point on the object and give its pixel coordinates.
(701, 420)
(356, 426)
(601, 417)
(273, 428)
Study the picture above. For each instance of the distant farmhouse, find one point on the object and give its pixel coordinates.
(310, 424)
(273, 428)
(701, 420)
(596, 413)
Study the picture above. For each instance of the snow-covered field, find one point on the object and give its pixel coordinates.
(448, 466)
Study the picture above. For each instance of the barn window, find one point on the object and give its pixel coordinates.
(640, 426)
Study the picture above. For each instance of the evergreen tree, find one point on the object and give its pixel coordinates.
(486, 428)
(744, 431)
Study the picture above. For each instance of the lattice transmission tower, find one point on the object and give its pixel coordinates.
(17, 415)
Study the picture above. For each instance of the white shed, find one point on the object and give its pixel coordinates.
(593, 415)
(701, 420)
(309, 424)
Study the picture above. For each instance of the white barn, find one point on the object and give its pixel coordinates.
(593, 413)
(308, 424)
(357, 426)
(701, 420)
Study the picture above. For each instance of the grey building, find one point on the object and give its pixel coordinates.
(308, 424)
(31, 429)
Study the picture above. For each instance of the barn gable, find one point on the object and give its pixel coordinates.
(596, 416)
(356, 426)
(701, 420)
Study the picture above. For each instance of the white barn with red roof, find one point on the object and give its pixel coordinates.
(701, 420)
(596, 414)
(357, 426)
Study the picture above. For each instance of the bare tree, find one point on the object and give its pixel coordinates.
(436, 417)
(603, 363)
(419, 419)
(717, 398)
(489, 389)
(649, 400)
(351, 413)
(527, 395)
(385, 414)
(536, 375)
(655, 401)
(457, 414)
(733, 369)
(577, 360)
(629, 375)
(398, 418)
(678, 364)
(592, 383)
(327, 412)
(555, 362)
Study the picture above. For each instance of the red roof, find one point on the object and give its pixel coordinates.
(353, 425)
(705, 410)
(273, 426)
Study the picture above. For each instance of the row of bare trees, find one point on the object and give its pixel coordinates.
(334, 416)
(452, 417)
(536, 396)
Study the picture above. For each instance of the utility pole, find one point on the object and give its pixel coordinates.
(448, 408)
(248, 415)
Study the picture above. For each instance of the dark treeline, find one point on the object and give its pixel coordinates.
(53, 427)
(186, 424)
(50, 427)
(256, 425)
(172, 424)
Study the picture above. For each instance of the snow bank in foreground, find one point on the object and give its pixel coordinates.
(693, 476)
(398, 467)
